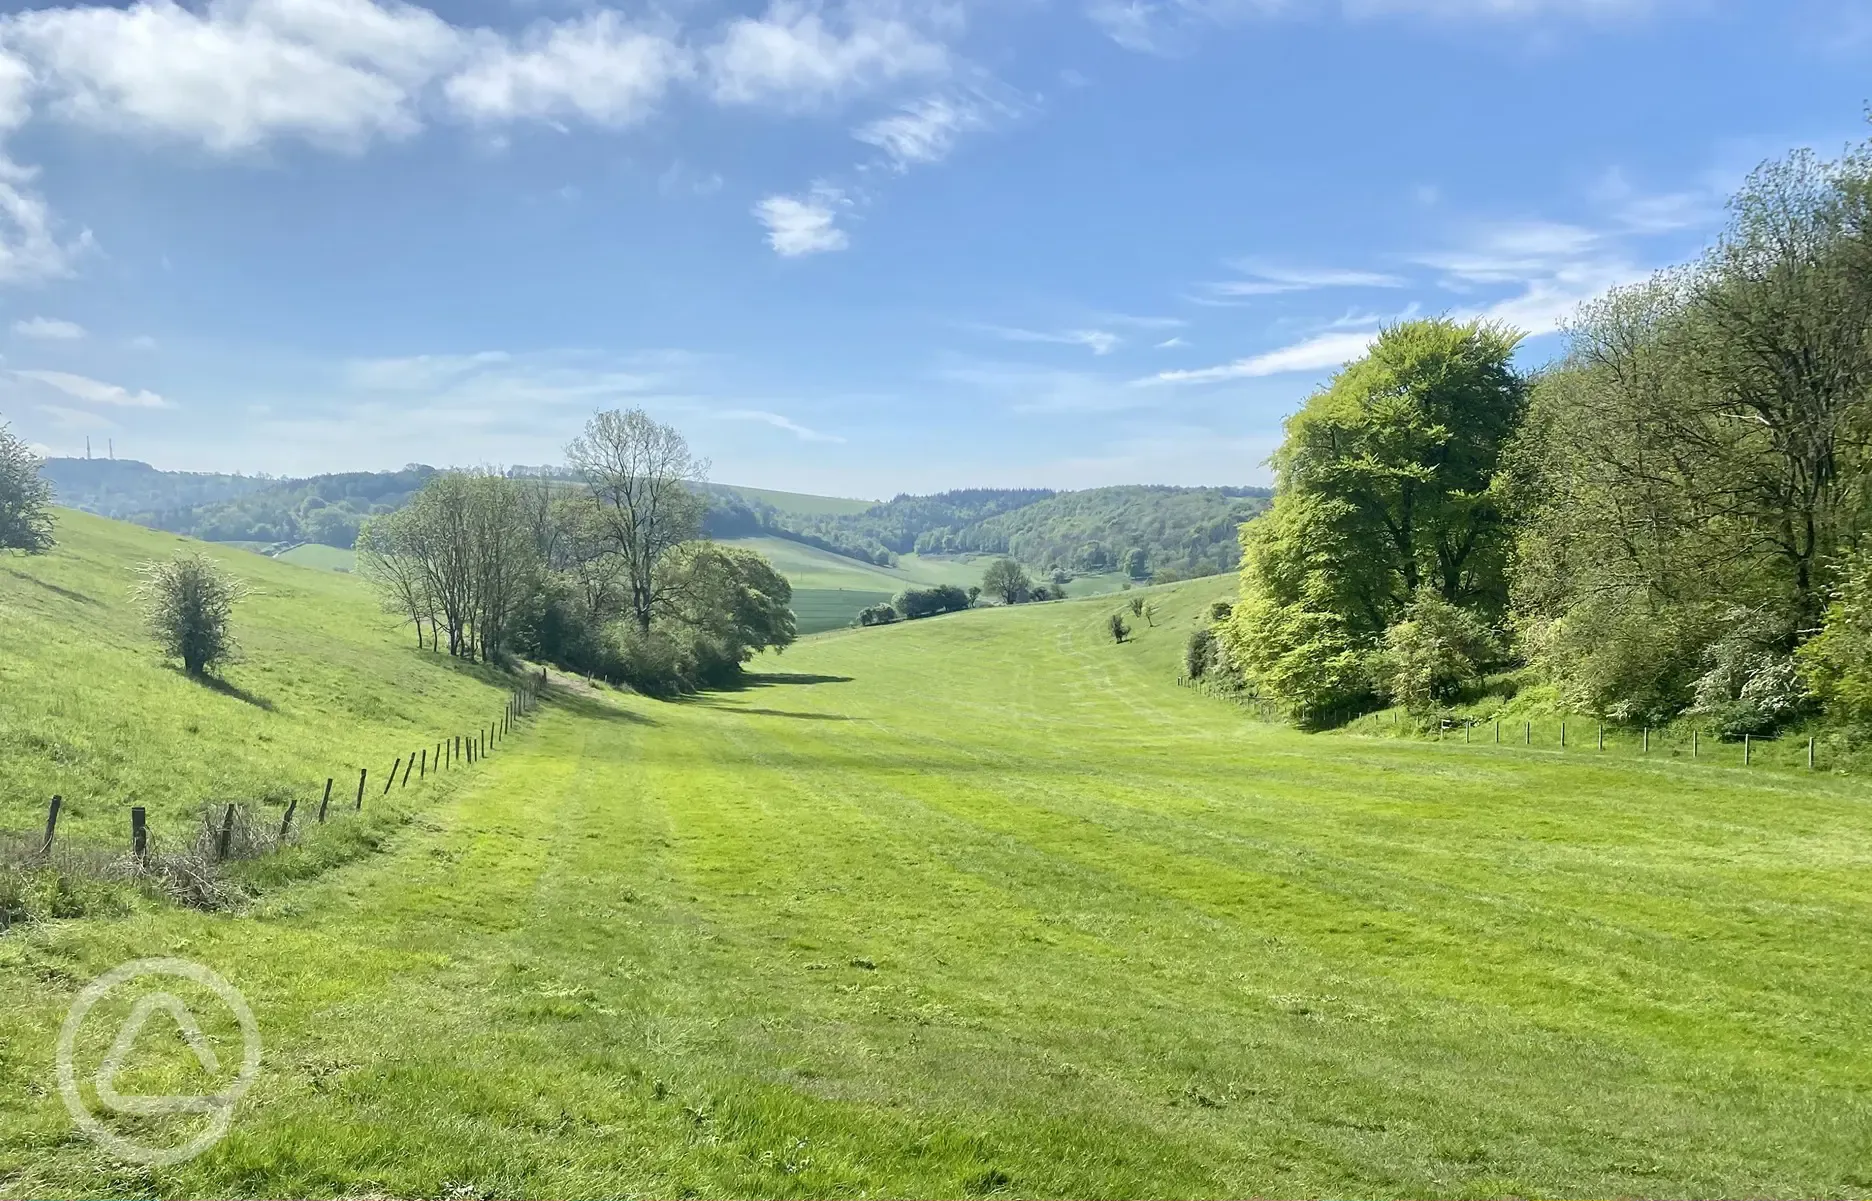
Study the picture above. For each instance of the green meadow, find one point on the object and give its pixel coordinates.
(976, 905)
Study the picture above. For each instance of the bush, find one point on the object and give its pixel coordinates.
(189, 604)
(1433, 653)
(1119, 630)
(1220, 610)
(25, 498)
(877, 615)
(1199, 652)
(1837, 663)
(1752, 686)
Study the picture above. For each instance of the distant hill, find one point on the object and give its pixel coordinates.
(1191, 531)
(127, 489)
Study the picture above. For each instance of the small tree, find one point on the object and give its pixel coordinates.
(1008, 580)
(974, 594)
(1119, 630)
(189, 603)
(1137, 606)
(1150, 615)
(25, 498)
(1433, 653)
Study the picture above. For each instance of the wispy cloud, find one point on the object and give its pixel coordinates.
(92, 391)
(795, 54)
(1098, 341)
(779, 422)
(1172, 344)
(1314, 354)
(1176, 26)
(1264, 279)
(49, 329)
(803, 225)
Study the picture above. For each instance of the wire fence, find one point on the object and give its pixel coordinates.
(226, 830)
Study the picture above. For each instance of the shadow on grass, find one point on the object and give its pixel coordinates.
(67, 593)
(236, 691)
(585, 705)
(774, 679)
(779, 713)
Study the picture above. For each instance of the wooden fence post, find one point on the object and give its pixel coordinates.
(422, 773)
(1467, 726)
(1563, 736)
(393, 772)
(326, 801)
(51, 824)
(227, 830)
(1748, 751)
(1602, 736)
(1498, 731)
(407, 769)
(1810, 753)
(1647, 741)
(139, 833)
(1527, 735)
(286, 822)
(362, 772)
(1696, 742)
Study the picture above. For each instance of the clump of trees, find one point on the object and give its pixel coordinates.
(912, 603)
(1669, 520)
(189, 604)
(608, 575)
(25, 498)
(1007, 581)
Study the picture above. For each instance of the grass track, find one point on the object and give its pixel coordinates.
(982, 903)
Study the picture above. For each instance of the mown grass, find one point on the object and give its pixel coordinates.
(314, 554)
(816, 610)
(983, 904)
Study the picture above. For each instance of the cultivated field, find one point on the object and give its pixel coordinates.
(980, 904)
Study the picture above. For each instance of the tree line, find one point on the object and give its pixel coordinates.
(1669, 520)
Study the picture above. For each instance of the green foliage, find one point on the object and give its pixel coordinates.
(1199, 652)
(1838, 662)
(1389, 485)
(1116, 627)
(928, 602)
(188, 602)
(877, 615)
(733, 605)
(1433, 653)
(327, 509)
(25, 498)
(134, 491)
(1702, 457)
(1137, 563)
(1007, 581)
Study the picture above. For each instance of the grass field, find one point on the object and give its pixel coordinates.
(982, 905)
(313, 554)
(816, 610)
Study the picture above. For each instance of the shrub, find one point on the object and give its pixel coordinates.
(1433, 653)
(1198, 653)
(1220, 610)
(189, 604)
(1119, 630)
(25, 498)
(1838, 662)
(877, 615)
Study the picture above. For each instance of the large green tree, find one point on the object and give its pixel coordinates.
(25, 498)
(1388, 483)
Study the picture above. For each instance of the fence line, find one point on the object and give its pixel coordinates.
(521, 701)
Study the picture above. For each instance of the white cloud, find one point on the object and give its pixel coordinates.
(1172, 344)
(795, 56)
(334, 72)
(1098, 341)
(49, 329)
(1314, 354)
(80, 387)
(597, 67)
(30, 247)
(803, 225)
(778, 422)
(493, 379)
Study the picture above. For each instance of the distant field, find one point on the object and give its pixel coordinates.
(312, 554)
(821, 609)
(803, 503)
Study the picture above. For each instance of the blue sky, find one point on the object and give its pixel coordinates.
(857, 246)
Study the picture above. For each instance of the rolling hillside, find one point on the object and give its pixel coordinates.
(976, 905)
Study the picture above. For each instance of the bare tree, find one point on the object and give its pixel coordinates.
(386, 556)
(641, 476)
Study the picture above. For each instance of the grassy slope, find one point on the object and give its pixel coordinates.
(329, 558)
(88, 710)
(983, 903)
(803, 503)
